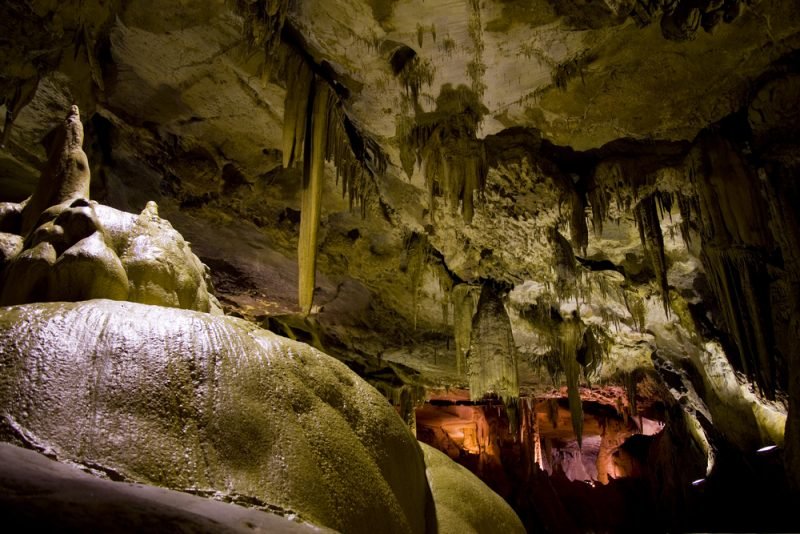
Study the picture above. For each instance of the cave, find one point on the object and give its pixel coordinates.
(400, 266)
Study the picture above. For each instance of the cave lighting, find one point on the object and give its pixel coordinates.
(698, 482)
(768, 448)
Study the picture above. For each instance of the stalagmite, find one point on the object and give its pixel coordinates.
(66, 176)
(464, 298)
(492, 359)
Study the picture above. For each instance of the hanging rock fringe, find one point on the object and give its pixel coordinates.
(314, 120)
(492, 358)
(447, 150)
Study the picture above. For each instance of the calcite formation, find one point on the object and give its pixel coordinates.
(63, 247)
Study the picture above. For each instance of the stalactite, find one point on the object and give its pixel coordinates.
(564, 265)
(314, 119)
(311, 197)
(689, 209)
(417, 257)
(552, 412)
(598, 200)
(21, 97)
(492, 358)
(652, 239)
(464, 299)
(299, 82)
(514, 415)
(630, 392)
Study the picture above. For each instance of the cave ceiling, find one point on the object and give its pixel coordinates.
(184, 104)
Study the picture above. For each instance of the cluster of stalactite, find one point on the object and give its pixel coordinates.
(682, 19)
(405, 398)
(445, 146)
(316, 124)
(263, 22)
(650, 199)
(636, 307)
(465, 299)
(415, 74)
(492, 358)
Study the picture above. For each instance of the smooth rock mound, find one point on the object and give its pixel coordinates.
(189, 400)
(464, 503)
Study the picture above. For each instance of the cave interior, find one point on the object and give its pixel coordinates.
(400, 265)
